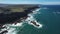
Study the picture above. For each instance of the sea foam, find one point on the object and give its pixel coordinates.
(11, 28)
(31, 18)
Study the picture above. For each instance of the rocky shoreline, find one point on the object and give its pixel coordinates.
(8, 17)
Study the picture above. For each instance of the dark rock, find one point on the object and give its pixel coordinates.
(4, 32)
(34, 23)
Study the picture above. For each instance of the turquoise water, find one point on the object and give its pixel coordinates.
(49, 18)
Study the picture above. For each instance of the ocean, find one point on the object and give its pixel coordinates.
(48, 16)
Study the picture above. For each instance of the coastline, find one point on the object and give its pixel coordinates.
(32, 21)
(14, 18)
(17, 17)
(9, 16)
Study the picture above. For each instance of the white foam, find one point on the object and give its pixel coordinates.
(18, 24)
(31, 18)
(11, 28)
(3, 30)
(28, 20)
(11, 31)
(36, 11)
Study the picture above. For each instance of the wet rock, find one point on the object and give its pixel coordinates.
(4, 32)
(34, 23)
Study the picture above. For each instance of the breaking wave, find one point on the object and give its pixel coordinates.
(12, 28)
(31, 18)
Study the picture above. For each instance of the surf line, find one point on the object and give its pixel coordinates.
(30, 20)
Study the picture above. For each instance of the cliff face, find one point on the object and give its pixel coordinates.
(10, 14)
